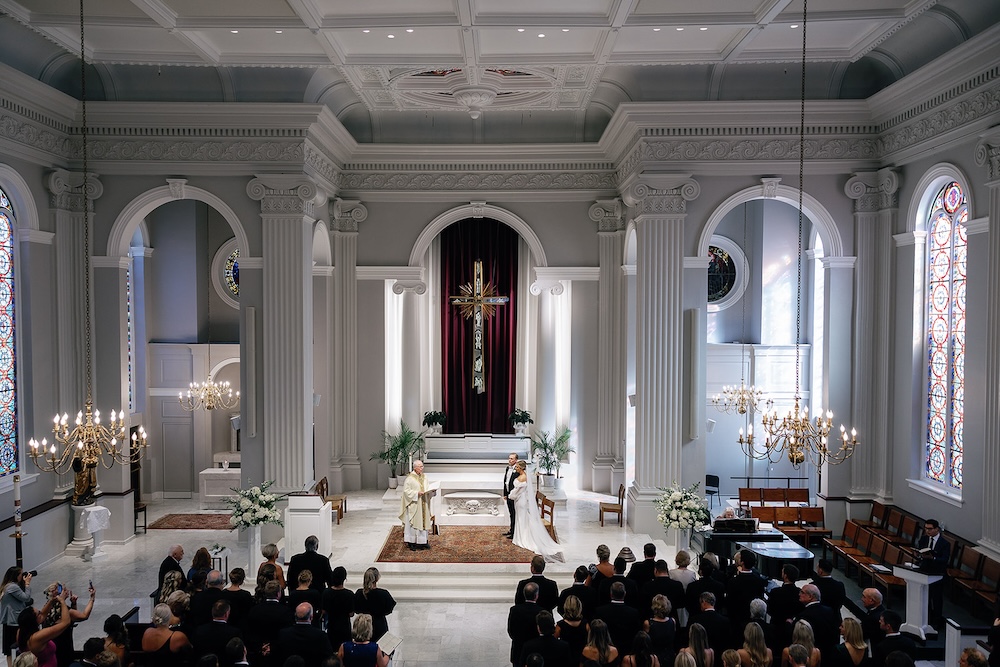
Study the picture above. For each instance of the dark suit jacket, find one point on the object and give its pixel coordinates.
(870, 625)
(699, 586)
(631, 591)
(587, 596)
(832, 593)
(200, 611)
(623, 622)
(264, 621)
(555, 652)
(893, 643)
(521, 627)
(938, 562)
(304, 640)
(825, 624)
(717, 627)
(548, 592)
(641, 571)
(212, 637)
(741, 589)
(167, 565)
(670, 588)
(783, 606)
(316, 563)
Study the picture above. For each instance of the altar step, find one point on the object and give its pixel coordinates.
(443, 582)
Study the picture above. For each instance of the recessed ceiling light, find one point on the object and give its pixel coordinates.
(278, 32)
(520, 29)
(541, 34)
(565, 29)
(680, 29)
(703, 28)
(366, 31)
(409, 30)
(656, 30)
(391, 36)
(794, 25)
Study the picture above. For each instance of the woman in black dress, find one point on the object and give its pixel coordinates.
(373, 600)
(305, 593)
(338, 604)
(662, 630)
(572, 629)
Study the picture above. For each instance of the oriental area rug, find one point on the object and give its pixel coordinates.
(193, 522)
(456, 544)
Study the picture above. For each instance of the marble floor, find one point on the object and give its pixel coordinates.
(439, 630)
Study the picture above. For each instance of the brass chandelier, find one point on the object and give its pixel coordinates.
(795, 436)
(89, 442)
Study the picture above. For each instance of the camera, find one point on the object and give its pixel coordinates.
(33, 573)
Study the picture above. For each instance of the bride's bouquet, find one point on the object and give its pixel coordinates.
(681, 508)
(254, 506)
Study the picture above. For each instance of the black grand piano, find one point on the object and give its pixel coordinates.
(773, 548)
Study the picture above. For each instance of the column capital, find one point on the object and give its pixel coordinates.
(657, 194)
(608, 214)
(988, 155)
(873, 190)
(345, 214)
(67, 190)
(286, 194)
(415, 286)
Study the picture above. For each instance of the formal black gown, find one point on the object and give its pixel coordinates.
(379, 604)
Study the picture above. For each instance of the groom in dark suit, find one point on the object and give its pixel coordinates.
(508, 485)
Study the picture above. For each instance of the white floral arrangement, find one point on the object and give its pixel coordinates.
(254, 506)
(681, 508)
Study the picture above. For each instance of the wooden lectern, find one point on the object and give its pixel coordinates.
(917, 597)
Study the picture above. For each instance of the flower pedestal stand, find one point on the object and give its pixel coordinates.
(680, 538)
(253, 549)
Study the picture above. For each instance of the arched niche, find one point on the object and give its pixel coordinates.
(434, 228)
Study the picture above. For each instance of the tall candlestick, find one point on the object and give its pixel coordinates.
(18, 551)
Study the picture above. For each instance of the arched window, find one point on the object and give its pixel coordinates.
(9, 461)
(946, 281)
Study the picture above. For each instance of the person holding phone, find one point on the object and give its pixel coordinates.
(53, 614)
(15, 597)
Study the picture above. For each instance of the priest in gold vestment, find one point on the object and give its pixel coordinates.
(415, 509)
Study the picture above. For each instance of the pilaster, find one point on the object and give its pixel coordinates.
(660, 205)
(611, 355)
(344, 218)
(287, 210)
(875, 211)
(988, 156)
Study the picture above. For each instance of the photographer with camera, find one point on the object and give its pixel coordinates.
(15, 597)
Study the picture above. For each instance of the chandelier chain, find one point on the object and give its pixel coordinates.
(802, 166)
(86, 204)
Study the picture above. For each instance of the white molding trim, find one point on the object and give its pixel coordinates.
(104, 262)
(922, 197)
(934, 491)
(543, 273)
(477, 210)
(978, 225)
(696, 262)
(34, 236)
(909, 238)
(402, 273)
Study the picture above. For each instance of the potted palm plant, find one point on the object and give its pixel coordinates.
(397, 450)
(520, 419)
(548, 450)
(434, 420)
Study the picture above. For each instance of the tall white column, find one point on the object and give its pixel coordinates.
(988, 155)
(322, 338)
(345, 216)
(287, 208)
(608, 215)
(875, 210)
(660, 202)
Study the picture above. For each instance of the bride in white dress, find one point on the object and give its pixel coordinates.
(529, 532)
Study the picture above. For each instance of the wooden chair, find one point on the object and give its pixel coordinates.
(893, 556)
(861, 549)
(987, 582)
(813, 522)
(797, 496)
(747, 496)
(848, 540)
(877, 516)
(764, 514)
(615, 508)
(868, 563)
(711, 488)
(891, 525)
(140, 508)
(772, 497)
(786, 519)
(539, 499)
(549, 516)
(969, 565)
(338, 501)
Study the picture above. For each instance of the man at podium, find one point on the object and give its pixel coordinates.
(415, 508)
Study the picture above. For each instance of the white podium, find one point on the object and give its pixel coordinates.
(917, 597)
(307, 515)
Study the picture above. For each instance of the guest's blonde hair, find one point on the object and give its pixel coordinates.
(730, 658)
(572, 608)
(370, 580)
(362, 630)
(853, 635)
(682, 559)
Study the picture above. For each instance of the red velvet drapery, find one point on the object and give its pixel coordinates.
(461, 245)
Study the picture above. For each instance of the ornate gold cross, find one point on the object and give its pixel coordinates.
(478, 300)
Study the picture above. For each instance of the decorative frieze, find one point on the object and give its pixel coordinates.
(438, 181)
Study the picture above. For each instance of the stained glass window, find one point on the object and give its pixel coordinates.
(8, 359)
(233, 272)
(721, 273)
(946, 281)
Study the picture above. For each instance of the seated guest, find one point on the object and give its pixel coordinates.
(824, 621)
(311, 560)
(798, 655)
(662, 630)
(758, 615)
(730, 658)
(116, 637)
(662, 584)
(747, 584)
(548, 590)
(802, 636)
(622, 620)
(306, 593)
(585, 593)
(894, 640)
(236, 653)
(91, 648)
(164, 647)
(698, 647)
(554, 651)
(854, 651)
(174, 580)
(239, 600)
(599, 647)
(642, 653)
(972, 657)
(755, 652)
(338, 607)
(707, 583)
(572, 628)
(361, 651)
(683, 659)
(265, 573)
(202, 602)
